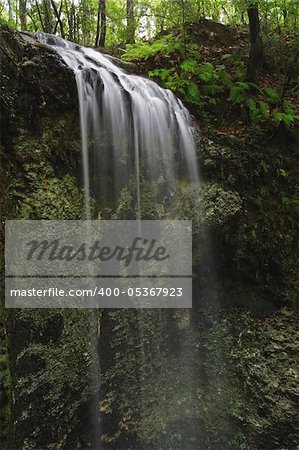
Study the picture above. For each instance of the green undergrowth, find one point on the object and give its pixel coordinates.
(211, 84)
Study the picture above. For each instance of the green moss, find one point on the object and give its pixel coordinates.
(50, 352)
(230, 383)
(54, 198)
(251, 394)
(51, 374)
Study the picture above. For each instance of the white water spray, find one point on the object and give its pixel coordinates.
(129, 126)
(129, 122)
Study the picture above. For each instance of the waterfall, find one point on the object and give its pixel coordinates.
(128, 123)
(129, 127)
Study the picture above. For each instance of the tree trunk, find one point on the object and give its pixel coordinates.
(40, 16)
(70, 21)
(10, 11)
(48, 16)
(130, 22)
(101, 24)
(23, 14)
(256, 54)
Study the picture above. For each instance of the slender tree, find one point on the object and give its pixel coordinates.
(10, 10)
(23, 14)
(70, 19)
(40, 16)
(101, 24)
(48, 16)
(256, 55)
(130, 22)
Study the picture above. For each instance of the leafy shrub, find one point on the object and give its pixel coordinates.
(202, 83)
(237, 91)
(164, 46)
(198, 83)
(285, 115)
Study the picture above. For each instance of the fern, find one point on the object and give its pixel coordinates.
(193, 95)
(211, 89)
(190, 66)
(162, 73)
(206, 72)
(287, 119)
(288, 108)
(225, 78)
(287, 115)
(237, 91)
(273, 96)
(164, 46)
(264, 109)
(253, 110)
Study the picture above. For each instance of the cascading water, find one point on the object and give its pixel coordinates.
(127, 122)
(130, 127)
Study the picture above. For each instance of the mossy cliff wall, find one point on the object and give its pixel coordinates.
(49, 350)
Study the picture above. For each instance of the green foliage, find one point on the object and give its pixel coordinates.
(258, 110)
(253, 109)
(53, 198)
(268, 110)
(272, 95)
(165, 75)
(182, 85)
(288, 119)
(285, 115)
(206, 72)
(190, 65)
(79, 18)
(202, 83)
(192, 92)
(198, 83)
(263, 106)
(164, 46)
(237, 91)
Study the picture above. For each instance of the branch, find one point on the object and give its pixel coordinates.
(40, 16)
(57, 15)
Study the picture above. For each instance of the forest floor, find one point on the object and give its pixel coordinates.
(205, 65)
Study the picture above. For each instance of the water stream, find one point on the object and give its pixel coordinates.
(130, 127)
(128, 123)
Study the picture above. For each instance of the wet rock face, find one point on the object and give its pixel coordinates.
(257, 251)
(31, 85)
(40, 173)
(40, 133)
(273, 381)
(250, 391)
(50, 377)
